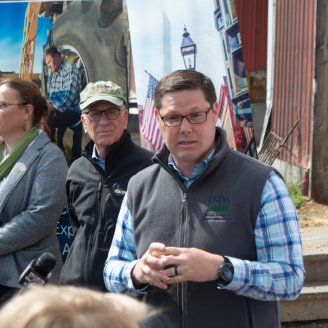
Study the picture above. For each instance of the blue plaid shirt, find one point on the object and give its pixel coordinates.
(65, 88)
(278, 273)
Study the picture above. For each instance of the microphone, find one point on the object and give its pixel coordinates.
(38, 272)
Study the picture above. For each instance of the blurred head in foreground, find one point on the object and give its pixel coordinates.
(72, 307)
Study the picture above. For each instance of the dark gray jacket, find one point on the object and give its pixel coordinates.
(216, 214)
(31, 201)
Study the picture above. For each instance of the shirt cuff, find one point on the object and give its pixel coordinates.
(128, 280)
(241, 275)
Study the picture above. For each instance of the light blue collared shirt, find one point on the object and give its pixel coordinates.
(95, 157)
(196, 171)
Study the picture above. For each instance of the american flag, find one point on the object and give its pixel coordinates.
(149, 128)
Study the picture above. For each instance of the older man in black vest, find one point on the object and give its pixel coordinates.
(207, 234)
(97, 182)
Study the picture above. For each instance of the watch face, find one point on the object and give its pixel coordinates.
(226, 273)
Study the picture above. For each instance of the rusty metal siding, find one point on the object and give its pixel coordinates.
(293, 77)
(253, 26)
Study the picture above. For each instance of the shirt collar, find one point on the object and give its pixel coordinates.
(95, 154)
(196, 172)
(97, 159)
(62, 67)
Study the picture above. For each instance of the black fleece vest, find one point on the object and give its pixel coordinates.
(94, 199)
(217, 214)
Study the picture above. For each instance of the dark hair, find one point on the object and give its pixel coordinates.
(52, 52)
(184, 80)
(29, 93)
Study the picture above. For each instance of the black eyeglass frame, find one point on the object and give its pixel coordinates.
(183, 116)
(103, 111)
(4, 105)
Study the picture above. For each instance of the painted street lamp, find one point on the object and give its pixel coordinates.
(188, 51)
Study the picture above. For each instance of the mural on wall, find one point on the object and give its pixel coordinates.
(241, 135)
(181, 35)
(89, 36)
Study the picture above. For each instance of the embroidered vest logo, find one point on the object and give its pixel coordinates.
(218, 209)
(119, 192)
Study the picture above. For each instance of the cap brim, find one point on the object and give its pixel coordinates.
(94, 99)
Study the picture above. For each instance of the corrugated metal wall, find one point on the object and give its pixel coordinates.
(293, 77)
(253, 26)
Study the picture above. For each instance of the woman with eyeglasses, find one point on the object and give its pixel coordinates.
(32, 184)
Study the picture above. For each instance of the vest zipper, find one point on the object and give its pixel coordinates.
(250, 313)
(183, 216)
(182, 244)
(102, 228)
(184, 198)
(92, 250)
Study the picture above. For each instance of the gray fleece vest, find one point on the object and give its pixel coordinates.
(217, 214)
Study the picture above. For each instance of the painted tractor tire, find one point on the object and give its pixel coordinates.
(96, 30)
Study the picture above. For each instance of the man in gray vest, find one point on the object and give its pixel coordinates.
(206, 234)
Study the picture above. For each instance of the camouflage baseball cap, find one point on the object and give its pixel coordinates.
(102, 91)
